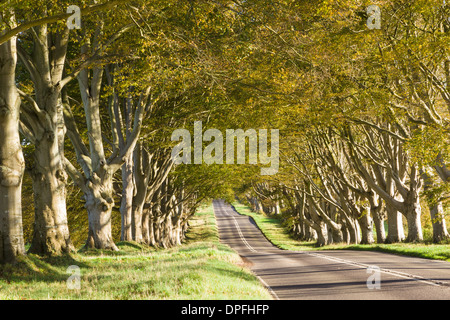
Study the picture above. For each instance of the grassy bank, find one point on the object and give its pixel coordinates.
(279, 236)
(202, 268)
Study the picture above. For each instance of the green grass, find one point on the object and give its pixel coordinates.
(201, 268)
(274, 230)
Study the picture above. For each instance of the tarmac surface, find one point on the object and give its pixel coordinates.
(331, 275)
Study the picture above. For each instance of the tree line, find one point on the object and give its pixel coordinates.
(362, 114)
(367, 157)
(94, 107)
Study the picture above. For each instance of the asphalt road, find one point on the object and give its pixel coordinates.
(331, 275)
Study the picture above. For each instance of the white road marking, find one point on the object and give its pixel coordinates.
(242, 236)
(253, 250)
(334, 259)
(383, 270)
(268, 287)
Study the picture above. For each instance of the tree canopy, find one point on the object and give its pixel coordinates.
(361, 109)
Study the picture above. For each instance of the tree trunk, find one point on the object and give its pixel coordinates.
(378, 214)
(379, 227)
(352, 230)
(152, 233)
(137, 226)
(178, 233)
(157, 224)
(259, 207)
(440, 232)
(146, 225)
(99, 204)
(395, 226)
(126, 207)
(310, 234)
(45, 122)
(51, 230)
(413, 208)
(414, 227)
(322, 234)
(394, 218)
(337, 235)
(167, 231)
(366, 224)
(11, 158)
(178, 217)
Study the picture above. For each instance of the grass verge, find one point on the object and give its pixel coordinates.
(200, 269)
(273, 229)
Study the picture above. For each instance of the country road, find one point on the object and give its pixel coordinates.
(331, 275)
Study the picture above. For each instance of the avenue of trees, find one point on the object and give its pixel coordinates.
(365, 153)
(86, 117)
(94, 108)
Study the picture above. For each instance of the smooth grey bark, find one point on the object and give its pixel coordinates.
(177, 231)
(51, 231)
(171, 208)
(126, 206)
(310, 229)
(350, 213)
(340, 186)
(151, 170)
(12, 163)
(140, 216)
(44, 120)
(164, 214)
(318, 224)
(318, 213)
(180, 216)
(378, 213)
(98, 184)
(436, 209)
(301, 228)
(394, 217)
(395, 226)
(437, 214)
(366, 223)
(98, 193)
(96, 179)
(128, 178)
(322, 234)
(412, 208)
(397, 169)
(147, 227)
(336, 230)
(136, 169)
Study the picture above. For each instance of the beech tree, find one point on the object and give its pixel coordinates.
(51, 221)
(43, 124)
(12, 162)
(382, 93)
(363, 114)
(41, 116)
(96, 181)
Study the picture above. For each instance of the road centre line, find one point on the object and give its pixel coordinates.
(383, 270)
(347, 262)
